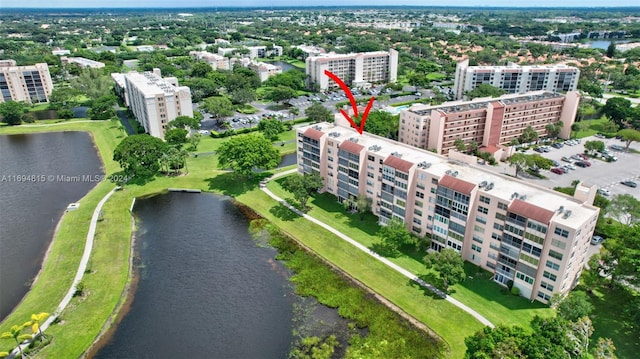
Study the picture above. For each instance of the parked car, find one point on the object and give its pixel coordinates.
(604, 192)
(538, 149)
(566, 159)
(616, 147)
(595, 240)
(630, 184)
(570, 166)
(583, 156)
(557, 170)
(555, 163)
(582, 164)
(558, 145)
(599, 135)
(564, 169)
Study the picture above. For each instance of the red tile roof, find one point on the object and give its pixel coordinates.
(398, 163)
(351, 147)
(313, 133)
(457, 184)
(531, 211)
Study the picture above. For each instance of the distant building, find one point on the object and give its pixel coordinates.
(355, 69)
(145, 48)
(310, 50)
(216, 61)
(155, 101)
(491, 123)
(514, 78)
(534, 238)
(569, 37)
(82, 62)
(224, 51)
(60, 52)
(30, 84)
(257, 51)
(264, 69)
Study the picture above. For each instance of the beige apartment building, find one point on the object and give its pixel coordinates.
(491, 123)
(29, 84)
(155, 101)
(217, 62)
(514, 78)
(533, 236)
(356, 69)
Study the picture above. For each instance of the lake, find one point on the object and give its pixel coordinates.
(37, 173)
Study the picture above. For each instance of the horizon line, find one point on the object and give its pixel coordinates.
(326, 6)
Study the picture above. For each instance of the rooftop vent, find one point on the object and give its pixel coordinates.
(334, 134)
(375, 148)
(567, 214)
(424, 164)
(317, 128)
(397, 154)
(489, 187)
(483, 184)
(448, 172)
(561, 209)
(454, 174)
(523, 197)
(353, 139)
(514, 195)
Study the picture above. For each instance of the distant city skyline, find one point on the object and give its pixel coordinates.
(292, 3)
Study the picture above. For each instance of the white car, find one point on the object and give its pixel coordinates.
(570, 166)
(604, 192)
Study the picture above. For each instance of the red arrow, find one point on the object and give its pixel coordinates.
(352, 99)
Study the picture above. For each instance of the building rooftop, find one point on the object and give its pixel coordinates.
(501, 186)
(479, 103)
(150, 83)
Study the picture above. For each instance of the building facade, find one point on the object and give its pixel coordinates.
(82, 62)
(515, 78)
(155, 101)
(217, 62)
(357, 69)
(29, 84)
(535, 237)
(491, 123)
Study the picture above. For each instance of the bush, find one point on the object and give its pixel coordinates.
(515, 291)
(510, 284)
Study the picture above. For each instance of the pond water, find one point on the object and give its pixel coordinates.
(40, 174)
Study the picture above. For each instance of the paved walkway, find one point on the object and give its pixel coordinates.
(88, 246)
(373, 254)
(59, 123)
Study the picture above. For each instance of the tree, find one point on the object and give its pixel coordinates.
(16, 334)
(139, 156)
(449, 265)
(36, 319)
(617, 109)
(176, 137)
(243, 95)
(629, 135)
(184, 122)
(594, 146)
(65, 113)
(579, 334)
(102, 108)
(459, 145)
(394, 235)
(303, 186)
(529, 135)
(575, 128)
(62, 97)
(591, 277)
(12, 112)
(364, 205)
(611, 50)
(575, 306)
(201, 69)
(383, 124)
(281, 94)
(93, 83)
(519, 161)
(553, 129)
(621, 257)
(498, 342)
(219, 107)
(485, 90)
(271, 128)
(473, 147)
(625, 208)
(194, 141)
(318, 113)
(203, 88)
(604, 349)
(243, 153)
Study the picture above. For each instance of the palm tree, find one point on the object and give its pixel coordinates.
(36, 319)
(16, 333)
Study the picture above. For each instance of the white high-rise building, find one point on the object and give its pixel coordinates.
(30, 84)
(514, 78)
(155, 101)
(356, 69)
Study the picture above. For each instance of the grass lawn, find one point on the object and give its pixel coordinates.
(595, 126)
(246, 109)
(38, 107)
(478, 292)
(610, 322)
(436, 76)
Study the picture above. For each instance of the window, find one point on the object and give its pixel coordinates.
(503, 206)
(483, 210)
(484, 199)
(418, 203)
(478, 229)
(546, 286)
(498, 226)
(548, 275)
(371, 158)
(476, 248)
(554, 254)
(544, 296)
(524, 278)
(558, 244)
(561, 232)
(481, 219)
(500, 216)
(434, 181)
(552, 265)
(477, 239)
(417, 212)
(419, 194)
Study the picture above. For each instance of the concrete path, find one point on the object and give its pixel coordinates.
(88, 246)
(59, 123)
(373, 254)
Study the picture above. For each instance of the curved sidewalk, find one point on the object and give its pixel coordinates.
(373, 254)
(88, 247)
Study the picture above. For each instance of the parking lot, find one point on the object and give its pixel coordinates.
(605, 175)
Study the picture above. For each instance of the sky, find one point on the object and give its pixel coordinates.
(266, 3)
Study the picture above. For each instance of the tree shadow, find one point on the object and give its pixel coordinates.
(385, 250)
(432, 279)
(283, 212)
(232, 184)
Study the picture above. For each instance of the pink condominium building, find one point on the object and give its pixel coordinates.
(533, 236)
(491, 123)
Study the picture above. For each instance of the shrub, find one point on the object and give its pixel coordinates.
(515, 291)
(509, 284)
